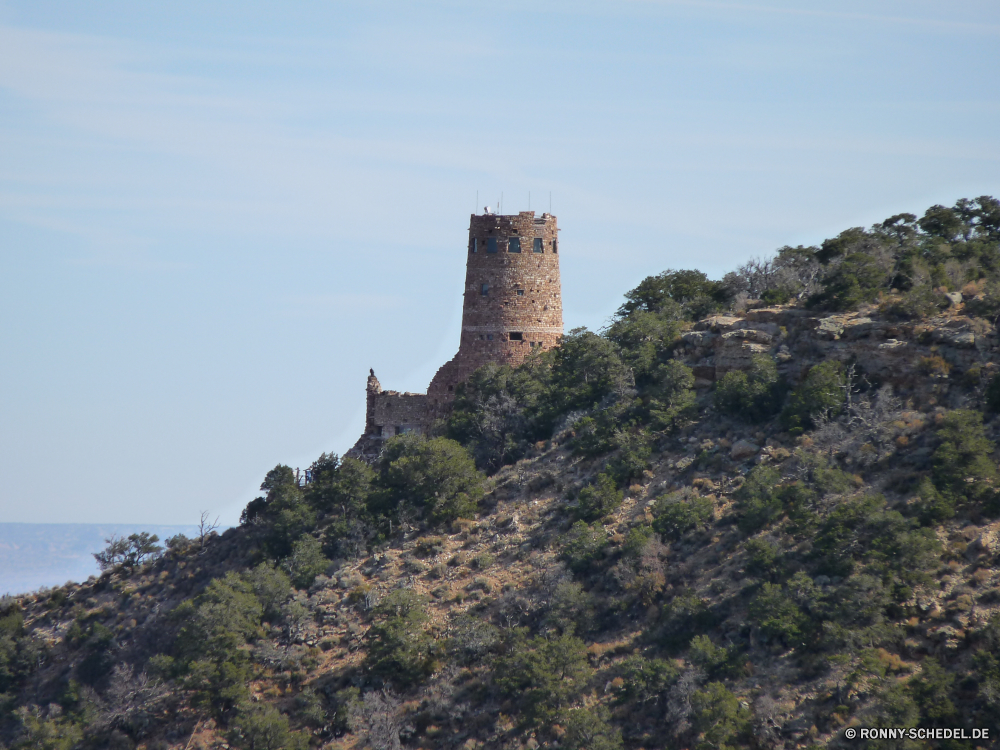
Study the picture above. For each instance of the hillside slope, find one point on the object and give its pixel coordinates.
(753, 512)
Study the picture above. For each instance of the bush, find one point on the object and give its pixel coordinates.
(261, 726)
(865, 529)
(821, 395)
(271, 587)
(857, 279)
(305, 562)
(763, 558)
(778, 617)
(718, 715)
(754, 395)
(399, 649)
(963, 466)
(675, 515)
(437, 477)
(128, 553)
(583, 547)
(645, 680)
(759, 503)
(543, 675)
(684, 616)
(588, 729)
(599, 499)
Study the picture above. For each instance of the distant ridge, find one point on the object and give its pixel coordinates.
(33, 555)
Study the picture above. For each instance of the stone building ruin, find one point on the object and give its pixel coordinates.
(512, 306)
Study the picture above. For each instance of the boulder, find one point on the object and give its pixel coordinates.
(829, 328)
(743, 449)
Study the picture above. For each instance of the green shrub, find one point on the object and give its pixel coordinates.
(583, 546)
(684, 616)
(964, 469)
(599, 499)
(820, 394)
(758, 503)
(260, 726)
(674, 515)
(932, 507)
(754, 395)
(588, 729)
(543, 675)
(714, 660)
(932, 690)
(763, 558)
(778, 616)
(437, 477)
(670, 396)
(865, 529)
(399, 648)
(306, 561)
(571, 609)
(631, 458)
(272, 587)
(857, 279)
(645, 680)
(718, 716)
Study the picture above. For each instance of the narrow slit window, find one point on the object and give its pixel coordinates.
(484, 290)
(514, 245)
(474, 245)
(537, 246)
(555, 246)
(520, 292)
(516, 336)
(489, 336)
(491, 244)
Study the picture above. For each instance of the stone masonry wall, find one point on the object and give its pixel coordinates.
(512, 306)
(513, 300)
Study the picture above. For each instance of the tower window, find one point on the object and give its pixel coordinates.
(514, 245)
(520, 292)
(537, 246)
(474, 245)
(555, 246)
(484, 289)
(489, 336)
(516, 336)
(491, 244)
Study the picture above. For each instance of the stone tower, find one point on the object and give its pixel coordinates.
(512, 306)
(513, 302)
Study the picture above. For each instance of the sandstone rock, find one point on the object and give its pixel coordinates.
(858, 328)
(736, 354)
(892, 344)
(784, 354)
(829, 328)
(955, 298)
(716, 323)
(748, 334)
(699, 338)
(683, 463)
(743, 449)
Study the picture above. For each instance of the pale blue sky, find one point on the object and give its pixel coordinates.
(215, 217)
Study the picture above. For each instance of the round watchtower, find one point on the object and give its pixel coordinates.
(513, 300)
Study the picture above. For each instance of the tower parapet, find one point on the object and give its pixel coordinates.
(512, 307)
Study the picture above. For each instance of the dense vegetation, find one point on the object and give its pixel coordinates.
(581, 554)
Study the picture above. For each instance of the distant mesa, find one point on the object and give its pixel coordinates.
(512, 306)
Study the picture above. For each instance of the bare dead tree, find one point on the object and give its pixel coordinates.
(379, 719)
(205, 529)
(131, 700)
